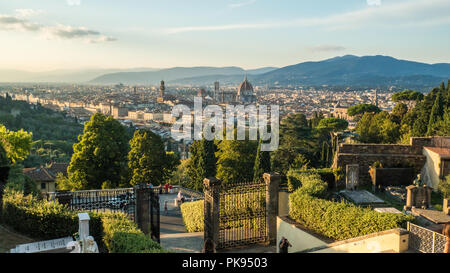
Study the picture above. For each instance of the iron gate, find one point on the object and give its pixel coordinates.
(242, 214)
(425, 240)
(110, 200)
(154, 216)
(145, 204)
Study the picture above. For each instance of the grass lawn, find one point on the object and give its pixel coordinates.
(9, 239)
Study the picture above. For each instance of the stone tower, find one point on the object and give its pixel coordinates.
(162, 88)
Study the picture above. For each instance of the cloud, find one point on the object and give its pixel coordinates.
(8, 22)
(81, 33)
(23, 13)
(18, 23)
(241, 4)
(374, 2)
(73, 2)
(405, 14)
(326, 48)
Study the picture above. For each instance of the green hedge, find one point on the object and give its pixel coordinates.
(45, 220)
(340, 221)
(122, 236)
(245, 205)
(193, 215)
(309, 181)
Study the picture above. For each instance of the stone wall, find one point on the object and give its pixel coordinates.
(394, 177)
(388, 160)
(390, 155)
(389, 241)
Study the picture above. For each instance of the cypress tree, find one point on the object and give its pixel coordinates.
(202, 163)
(436, 112)
(209, 156)
(262, 163)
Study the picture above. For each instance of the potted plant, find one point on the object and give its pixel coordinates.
(444, 187)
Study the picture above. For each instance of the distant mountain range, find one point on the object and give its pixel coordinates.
(346, 70)
(179, 75)
(353, 71)
(61, 76)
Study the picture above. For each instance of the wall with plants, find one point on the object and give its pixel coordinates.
(43, 220)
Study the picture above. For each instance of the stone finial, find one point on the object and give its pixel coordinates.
(211, 181)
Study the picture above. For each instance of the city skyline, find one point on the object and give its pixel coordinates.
(81, 34)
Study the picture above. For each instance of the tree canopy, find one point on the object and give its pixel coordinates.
(407, 95)
(378, 128)
(100, 157)
(202, 163)
(360, 109)
(235, 160)
(332, 124)
(16, 144)
(148, 161)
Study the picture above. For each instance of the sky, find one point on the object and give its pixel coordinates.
(78, 34)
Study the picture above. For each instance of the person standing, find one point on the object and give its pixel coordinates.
(284, 245)
(166, 210)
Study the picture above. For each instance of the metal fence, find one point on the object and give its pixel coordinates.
(425, 240)
(242, 214)
(112, 200)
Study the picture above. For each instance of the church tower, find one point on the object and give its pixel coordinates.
(162, 89)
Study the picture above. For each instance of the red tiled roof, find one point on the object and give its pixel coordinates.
(56, 168)
(46, 174)
(39, 175)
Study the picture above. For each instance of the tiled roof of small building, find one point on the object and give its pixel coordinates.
(443, 152)
(39, 175)
(46, 174)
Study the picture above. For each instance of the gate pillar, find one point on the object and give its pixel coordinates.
(142, 211)
(212, 195)
(272, 186)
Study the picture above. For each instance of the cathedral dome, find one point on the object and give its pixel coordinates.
(244, 87)
(245, 92)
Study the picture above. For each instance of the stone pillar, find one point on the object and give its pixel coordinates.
(83, 225)
(446, 206)
(212, 187)
(410, 197)
(272, 187)
(142, 209)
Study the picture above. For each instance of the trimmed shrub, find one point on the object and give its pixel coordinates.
(326, 174)
(42, 219)
(244, 205)
(193, 215)
(308, 182)
(120, 235)
(340, 221)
